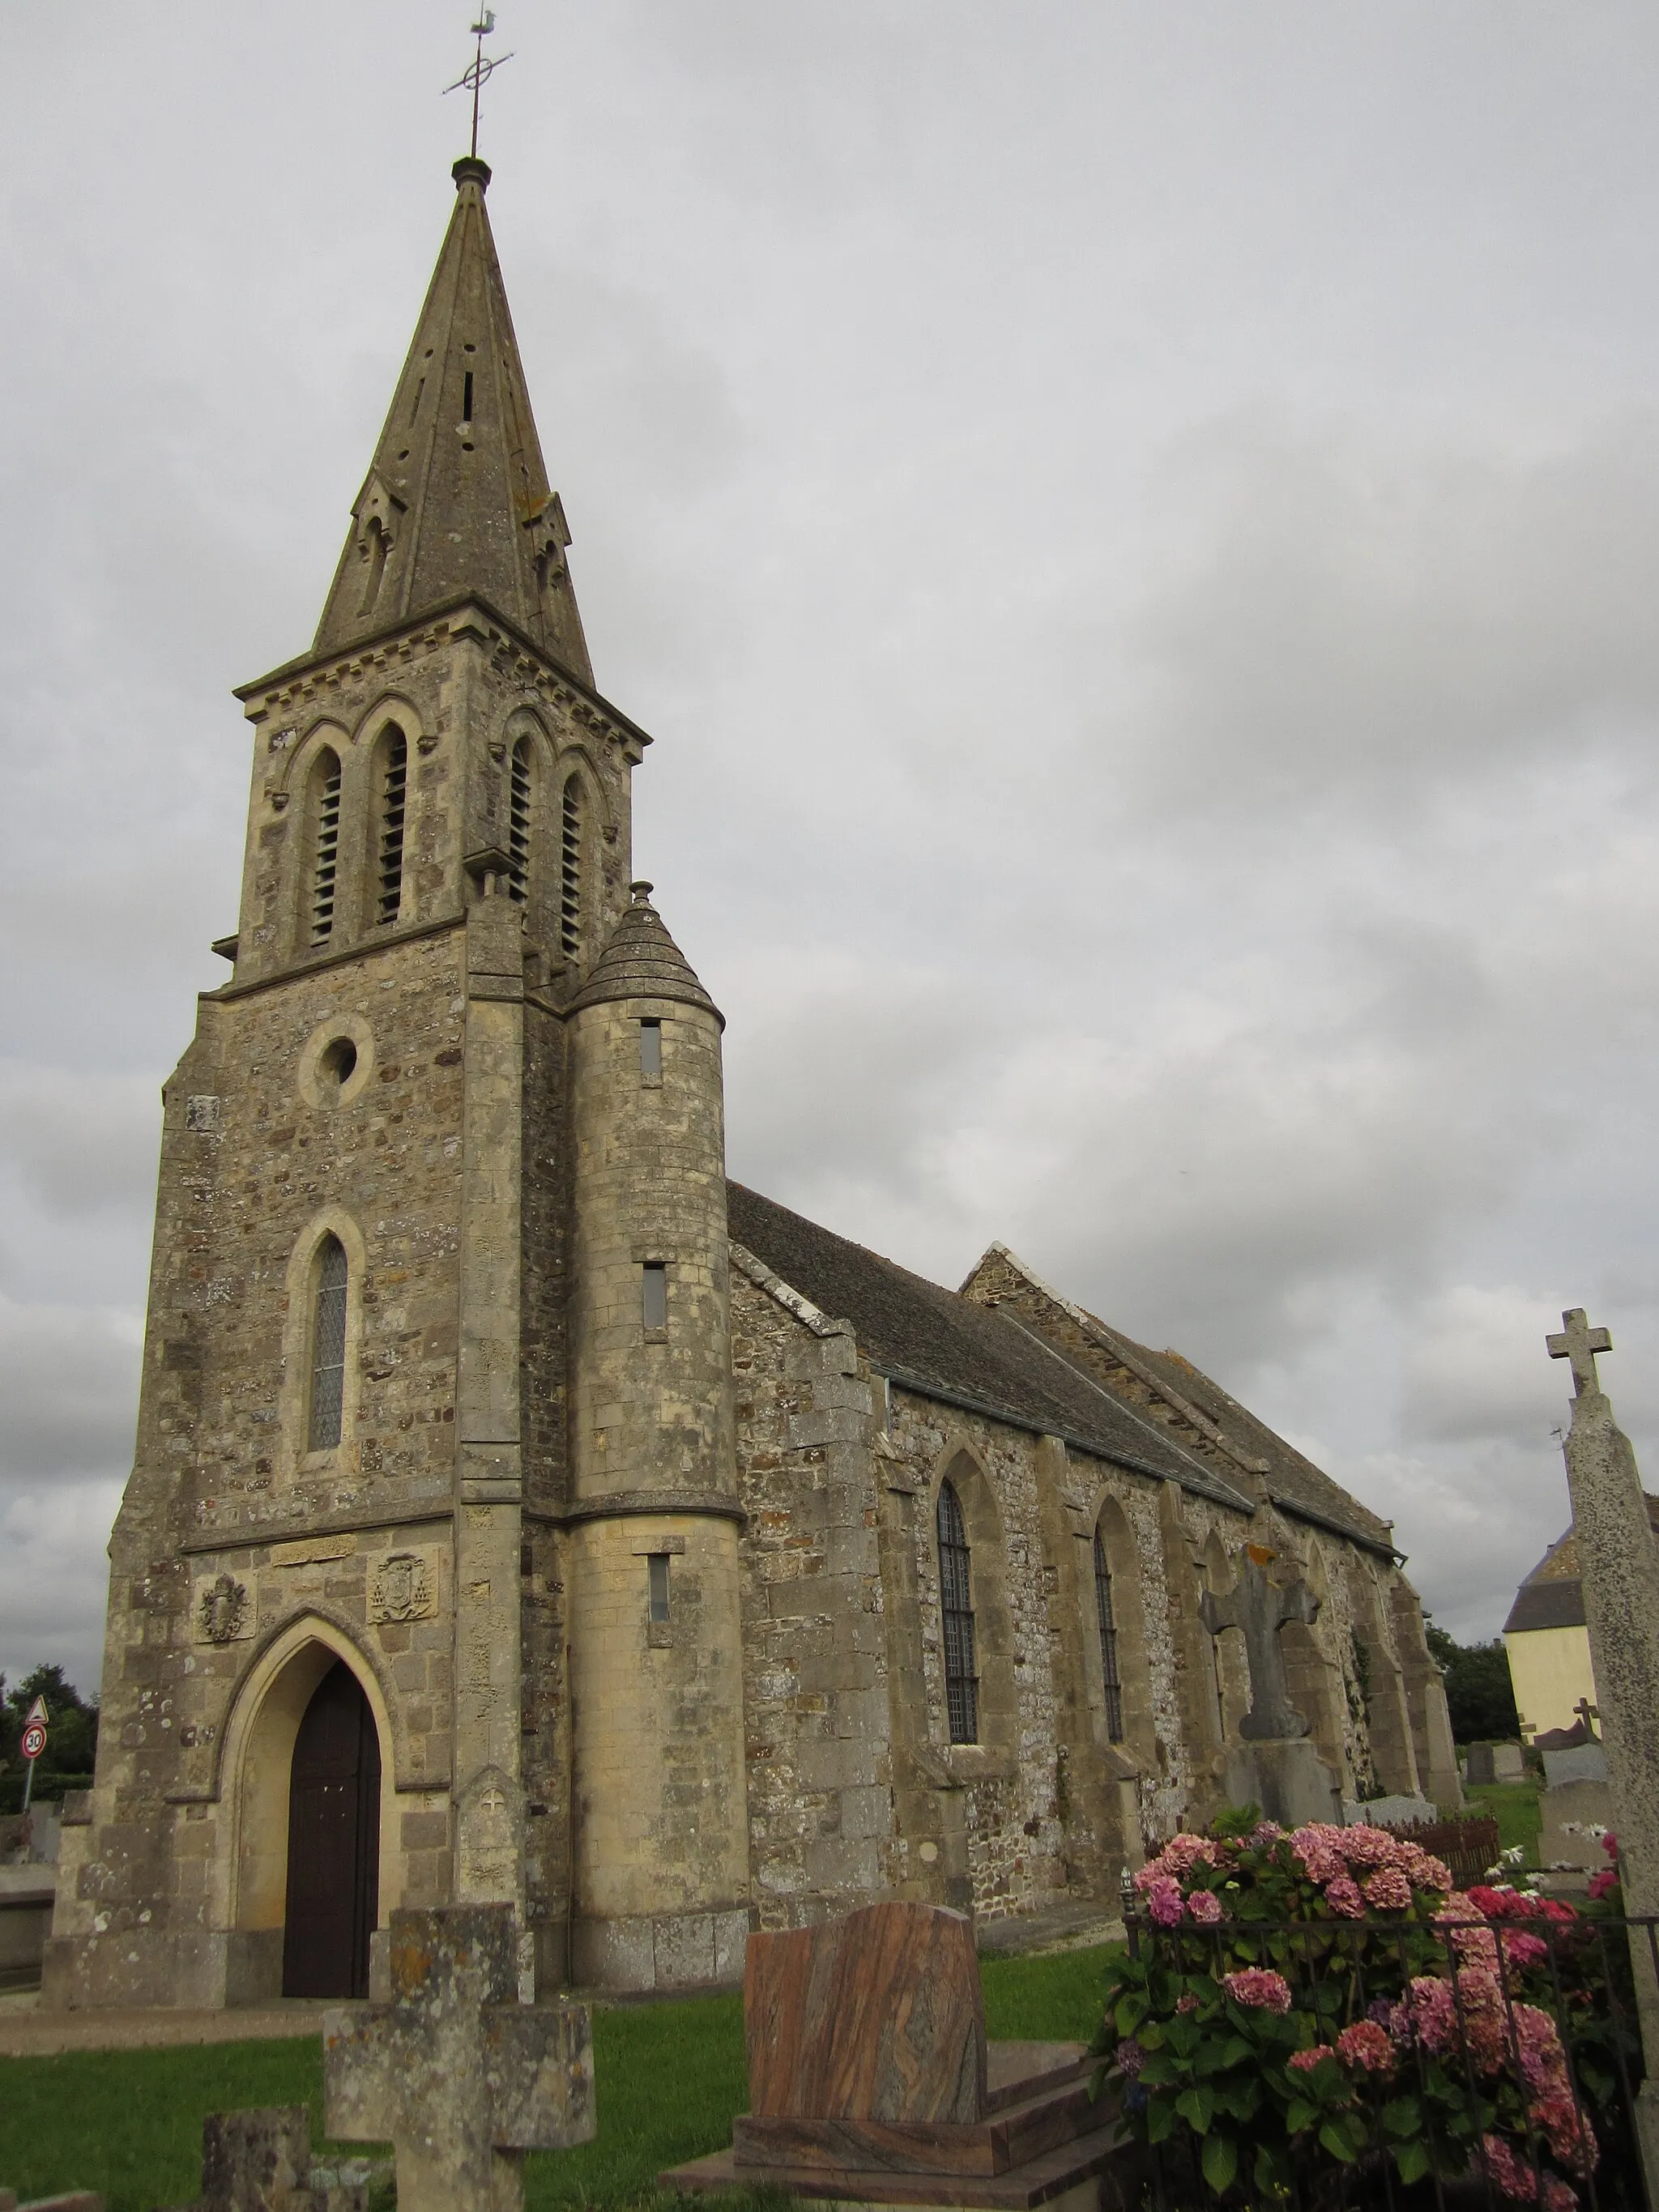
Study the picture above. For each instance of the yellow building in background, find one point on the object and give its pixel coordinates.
(1548, 1643)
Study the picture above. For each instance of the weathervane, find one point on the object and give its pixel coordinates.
(482, 69)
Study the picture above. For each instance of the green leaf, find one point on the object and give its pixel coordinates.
(1299, 2114)
(1220, 2162)
(1413, 2160)
(1335, 2136)
(1234, 2050)
(1273, 2171)
(1197, 2108)
(1158, 2072)
(1402, 2116)
(1130, 2011)
(1160, 2119)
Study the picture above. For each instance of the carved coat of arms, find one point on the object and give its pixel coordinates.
(223, 1610)
(402, 1589)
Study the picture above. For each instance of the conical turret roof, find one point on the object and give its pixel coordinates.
(642, 961)
(458, 499)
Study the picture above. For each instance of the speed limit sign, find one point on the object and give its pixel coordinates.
(35, 1741)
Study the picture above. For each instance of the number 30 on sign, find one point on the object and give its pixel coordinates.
(35, 1741)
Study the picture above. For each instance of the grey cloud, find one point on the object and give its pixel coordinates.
(69, 1379)
(1349, 610)
(80, 1143)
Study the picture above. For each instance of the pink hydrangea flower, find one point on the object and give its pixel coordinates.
(1306, 2061)
(1521, 1949)
(1387, 1889)
(1368, 1848)
(1342, 1895)
(1260, 1987)
(1130, 2057)
(1187, 2002)
(1423, 1871)
(1164, 1901)
(1265, 1832)
(1204, 1906)
(1318, 1849)
(1366, 2047)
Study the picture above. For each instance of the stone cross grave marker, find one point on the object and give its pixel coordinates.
(1261, 1608)
(462, 2079)
(1619, 1564)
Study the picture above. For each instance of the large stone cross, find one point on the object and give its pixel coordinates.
(461, 2078)
(1260, 1609)
(1579, 1343)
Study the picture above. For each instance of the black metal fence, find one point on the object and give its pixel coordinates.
(1350, 1971)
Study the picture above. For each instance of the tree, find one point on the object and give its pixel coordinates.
(1478, 1692)
(71, 1724)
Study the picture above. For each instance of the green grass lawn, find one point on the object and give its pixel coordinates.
(1516, 1804)
(670, 2076)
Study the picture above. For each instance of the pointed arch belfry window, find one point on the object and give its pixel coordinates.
(328, 1338)
(956, 1596)
(375, 549)
(518, 822)
(1108, 1666)
(572, 827)
(325, 845)
(394, 792)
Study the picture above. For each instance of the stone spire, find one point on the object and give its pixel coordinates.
(457, 499)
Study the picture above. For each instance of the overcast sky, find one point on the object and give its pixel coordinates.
(1136, 530)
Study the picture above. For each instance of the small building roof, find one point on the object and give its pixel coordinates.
(1552, 1595)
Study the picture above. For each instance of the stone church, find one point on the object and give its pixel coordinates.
(522, 1510)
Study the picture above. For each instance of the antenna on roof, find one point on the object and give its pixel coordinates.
(482, 68)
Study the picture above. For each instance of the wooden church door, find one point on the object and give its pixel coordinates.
(333, 1843)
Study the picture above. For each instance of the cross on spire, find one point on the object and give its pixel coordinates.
(1579, 1343)
(479, 70)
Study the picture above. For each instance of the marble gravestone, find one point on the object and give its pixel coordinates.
(1275, 1767)
(870, 2082)
(455, 2072)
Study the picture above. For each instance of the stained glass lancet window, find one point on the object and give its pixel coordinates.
(956, 1604)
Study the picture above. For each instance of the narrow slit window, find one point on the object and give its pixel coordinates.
(518, 823)
(957, 1605)
(328, 1346)
(466, 397)
(570, 870)
(650, 1048)
(420, 391)
(394, 792)
(657, 1583)
(1108, 1642)
(325, 850)
(374, 553)
(653, 1294)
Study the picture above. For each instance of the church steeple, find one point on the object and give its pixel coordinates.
(457, 498)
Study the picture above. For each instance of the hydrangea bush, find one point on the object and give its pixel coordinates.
(1316, 2002)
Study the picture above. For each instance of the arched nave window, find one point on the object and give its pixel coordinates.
(957, 1605)
(1109, 1666)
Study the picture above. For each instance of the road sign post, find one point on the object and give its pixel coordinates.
(34, 1743)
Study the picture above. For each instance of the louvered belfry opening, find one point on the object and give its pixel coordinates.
(328, 1346)
(1108, 1642)
(956, 1604)
(518, 823)
(570, 870)
(325, 850)
(394, 792)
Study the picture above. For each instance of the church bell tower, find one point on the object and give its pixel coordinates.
(424, 1585)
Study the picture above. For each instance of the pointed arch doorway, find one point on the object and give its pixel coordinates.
(333, 1843)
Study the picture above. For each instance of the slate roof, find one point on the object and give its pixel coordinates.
(1292, 1482)
(1553, 1596)
(924, 1337)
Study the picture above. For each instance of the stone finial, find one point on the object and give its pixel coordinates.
(1579, 1343)
(641, 892)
